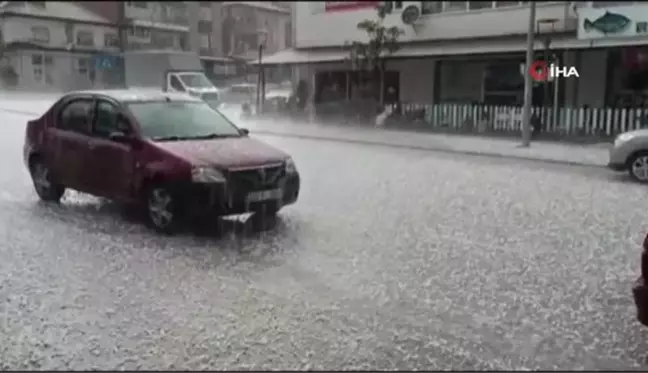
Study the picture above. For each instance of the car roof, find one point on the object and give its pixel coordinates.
(137, 95)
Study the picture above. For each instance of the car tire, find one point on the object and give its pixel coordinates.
(638, 167)
(161, 208)
(45, 183)
(269, 211)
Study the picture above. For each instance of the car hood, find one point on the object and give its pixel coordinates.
(643, 132)
(224, 153)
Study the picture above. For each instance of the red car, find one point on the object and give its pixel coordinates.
(171, 153)
(640, 290)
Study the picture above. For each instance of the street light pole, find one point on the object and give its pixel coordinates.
(260, 91)
(528, 91)
(258, 88)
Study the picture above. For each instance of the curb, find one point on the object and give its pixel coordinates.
(433, 149)
(392, 145)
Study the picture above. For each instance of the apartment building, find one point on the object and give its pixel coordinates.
(53, 45)
(472, 51)
(227, 34)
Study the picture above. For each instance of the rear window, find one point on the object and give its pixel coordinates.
(159, 120)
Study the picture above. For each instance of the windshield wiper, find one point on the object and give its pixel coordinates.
(167, 138)
(213, 136)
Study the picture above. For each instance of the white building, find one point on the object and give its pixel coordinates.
(157, 25)
(471, 51)
(50, 45)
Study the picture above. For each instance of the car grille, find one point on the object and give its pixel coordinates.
(255, 179)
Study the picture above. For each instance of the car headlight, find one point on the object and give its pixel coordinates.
(290, 166)
(622, 138)
(207, 175)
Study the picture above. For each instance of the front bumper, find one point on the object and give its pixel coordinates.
(640, 292)
(617, 166)
(222, 199)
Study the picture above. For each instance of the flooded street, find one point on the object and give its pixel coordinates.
(391, 259)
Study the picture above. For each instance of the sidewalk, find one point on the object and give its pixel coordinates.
(587, 155)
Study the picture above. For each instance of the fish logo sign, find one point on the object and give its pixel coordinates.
(608, 23)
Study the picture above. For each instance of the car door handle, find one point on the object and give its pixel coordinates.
(91, 145)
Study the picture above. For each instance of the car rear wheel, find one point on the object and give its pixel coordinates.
(161, 209)
(45, 184)
(638, 167)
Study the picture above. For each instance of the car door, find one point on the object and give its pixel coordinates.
(113, 161)
(69, 145)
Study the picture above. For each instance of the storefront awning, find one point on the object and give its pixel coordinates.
(294, 56)
(448, 48)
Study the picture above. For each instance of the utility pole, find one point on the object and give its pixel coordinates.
(528, 83)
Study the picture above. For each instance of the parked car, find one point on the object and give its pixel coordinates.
(640, 291)
(170, 153)
(239, 94)
(630, 153)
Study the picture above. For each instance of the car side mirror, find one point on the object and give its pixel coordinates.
(121, 137)
(244, 131)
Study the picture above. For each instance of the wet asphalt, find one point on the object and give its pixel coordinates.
(391, 259)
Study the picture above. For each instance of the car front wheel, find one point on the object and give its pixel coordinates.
(46, 186)
(161, 209)
(638, 167)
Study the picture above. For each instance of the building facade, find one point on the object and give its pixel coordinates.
(472, 51)
(51, 45)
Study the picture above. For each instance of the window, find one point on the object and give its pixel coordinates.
(159, 120)
(76, 116)
(476, 5)
(137, 4)
(40, 34)
(194, 80)
(175, 84)
(38, 4)
(431, 7)
(37, 67)
(162, 40)
(85, 38)
(106, 122)
(139, 32)
(83, 65)
(503, 4)
(204, 41)
(288, 34)
(111, 40)
(204, 27)
(607, 4)
(206, 4)
(451, 6)
(398, 5)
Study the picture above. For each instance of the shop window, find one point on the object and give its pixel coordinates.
(451, 6)
(431, 7)
(476, 5)
(504, 4)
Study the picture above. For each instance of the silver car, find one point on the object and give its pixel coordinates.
(630, 152)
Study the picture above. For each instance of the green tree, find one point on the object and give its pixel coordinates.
(371, 56)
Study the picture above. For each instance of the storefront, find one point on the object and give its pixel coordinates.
(623, 63)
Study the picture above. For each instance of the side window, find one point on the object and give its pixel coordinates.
(175, 84)
(107, 119)
(76, 116)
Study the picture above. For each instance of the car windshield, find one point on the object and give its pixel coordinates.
(185, 120)
(196, 81)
